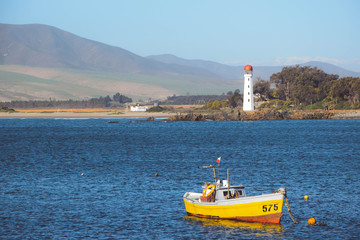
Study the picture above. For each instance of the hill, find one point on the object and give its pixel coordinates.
(45, 46)
(71, 66)
(25, 83)
(42, 62)
(236, 72)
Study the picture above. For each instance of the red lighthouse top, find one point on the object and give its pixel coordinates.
(248, 68)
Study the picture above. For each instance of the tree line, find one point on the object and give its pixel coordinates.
(312, 87)
(116, 100)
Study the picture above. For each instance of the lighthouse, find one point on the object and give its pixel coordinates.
(248, 102)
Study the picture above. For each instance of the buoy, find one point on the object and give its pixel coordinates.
(311, 221)
(156, 175)
(306, 197)
(82, 174)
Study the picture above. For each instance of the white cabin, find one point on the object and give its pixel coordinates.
(138, 108)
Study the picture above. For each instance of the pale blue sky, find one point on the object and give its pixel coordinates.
(259, 32)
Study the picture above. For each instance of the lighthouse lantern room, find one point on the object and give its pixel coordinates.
(248, 101)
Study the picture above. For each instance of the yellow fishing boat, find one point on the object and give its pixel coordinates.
(225, 201)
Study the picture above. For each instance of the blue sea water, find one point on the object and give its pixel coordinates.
(88, 179)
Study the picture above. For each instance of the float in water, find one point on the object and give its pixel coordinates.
(222, 200)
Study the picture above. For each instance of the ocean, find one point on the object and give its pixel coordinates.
(89, 179)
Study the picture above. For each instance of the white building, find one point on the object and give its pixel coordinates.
(248, 101)
(138, 108)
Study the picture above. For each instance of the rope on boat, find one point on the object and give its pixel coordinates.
(283, 191)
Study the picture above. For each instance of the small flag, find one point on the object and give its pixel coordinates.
(218, 160)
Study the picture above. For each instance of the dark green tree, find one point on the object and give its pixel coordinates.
(262, 87)
(121, 98)
(346, 89)
(235, 100)
(302, 84)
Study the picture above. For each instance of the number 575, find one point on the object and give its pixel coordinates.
(270, 207)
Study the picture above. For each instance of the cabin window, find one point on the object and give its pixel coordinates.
(233, 194)
(225, 193)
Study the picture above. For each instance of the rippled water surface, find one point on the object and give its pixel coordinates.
(45, 195)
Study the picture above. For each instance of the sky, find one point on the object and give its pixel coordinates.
(235, 32)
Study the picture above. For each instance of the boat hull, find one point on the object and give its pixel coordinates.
(265, 208)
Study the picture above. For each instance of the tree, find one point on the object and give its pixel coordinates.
(346, 89)
(262, 87)
(303, 84)
(235, 99)
(355, 92)
(107, 101)
(121, 98)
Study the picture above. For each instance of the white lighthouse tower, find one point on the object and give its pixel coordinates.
(248, 102)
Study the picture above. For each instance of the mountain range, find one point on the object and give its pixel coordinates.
(41, 62)
(236, 72)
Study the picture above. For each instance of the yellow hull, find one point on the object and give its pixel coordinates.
(264, 208)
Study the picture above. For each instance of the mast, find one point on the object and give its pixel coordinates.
(213, 167)
(228, 179)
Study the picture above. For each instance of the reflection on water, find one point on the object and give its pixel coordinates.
(236, 227)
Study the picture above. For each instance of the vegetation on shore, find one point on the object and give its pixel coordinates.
(192, 100)
(297, 93)
(6, 109)
(310, 88)
(117, 100)
(299, 88)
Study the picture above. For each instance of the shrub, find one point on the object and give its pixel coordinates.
(343, 105)
(156, 109)
(317, 105)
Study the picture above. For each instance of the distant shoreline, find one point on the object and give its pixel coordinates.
(84, 115)
(106, 113)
